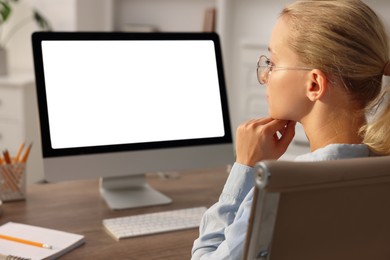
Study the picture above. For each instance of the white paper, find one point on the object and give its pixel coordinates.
(59, 240)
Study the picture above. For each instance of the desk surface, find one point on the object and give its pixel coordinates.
(77, 207)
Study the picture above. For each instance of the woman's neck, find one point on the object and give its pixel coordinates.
(341, 128)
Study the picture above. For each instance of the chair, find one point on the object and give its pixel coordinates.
(321, 210)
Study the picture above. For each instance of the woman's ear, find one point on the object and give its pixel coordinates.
(317, 85)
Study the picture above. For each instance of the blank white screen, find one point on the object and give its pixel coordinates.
(119, 92)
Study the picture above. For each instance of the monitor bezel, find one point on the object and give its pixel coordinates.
(47, 149)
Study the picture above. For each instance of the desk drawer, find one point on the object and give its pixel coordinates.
(11, 136)
(11, 106)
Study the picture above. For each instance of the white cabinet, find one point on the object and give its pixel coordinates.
(19, 120)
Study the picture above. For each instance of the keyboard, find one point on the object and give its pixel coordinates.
(153, 223)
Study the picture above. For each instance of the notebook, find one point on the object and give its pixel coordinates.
(61, 242)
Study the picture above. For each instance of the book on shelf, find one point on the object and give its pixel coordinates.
(209, 20)
(35, 243)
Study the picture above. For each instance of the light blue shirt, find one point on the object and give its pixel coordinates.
(222, 231)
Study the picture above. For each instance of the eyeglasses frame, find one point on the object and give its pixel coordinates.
(270, 68)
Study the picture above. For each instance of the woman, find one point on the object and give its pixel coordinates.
(325, 68)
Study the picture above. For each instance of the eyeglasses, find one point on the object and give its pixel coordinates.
(265, 68)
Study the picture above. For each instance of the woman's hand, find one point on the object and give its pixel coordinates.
(262, 139)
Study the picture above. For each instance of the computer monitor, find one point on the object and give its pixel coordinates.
(116, 105)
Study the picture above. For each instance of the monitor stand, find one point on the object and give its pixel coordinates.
(130, 192)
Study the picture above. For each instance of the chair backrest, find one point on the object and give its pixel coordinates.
(321, 210)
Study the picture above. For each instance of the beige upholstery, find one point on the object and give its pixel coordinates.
(329, 210)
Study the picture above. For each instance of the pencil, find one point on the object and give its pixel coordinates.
(7, 157)
(25, 155)
(9, 178)
(24, 241)
(16, 158)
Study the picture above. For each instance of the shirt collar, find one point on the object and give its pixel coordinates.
(337, 151)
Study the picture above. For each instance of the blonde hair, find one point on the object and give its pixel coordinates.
(347, 40)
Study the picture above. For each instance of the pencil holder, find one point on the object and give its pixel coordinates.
(12, 182)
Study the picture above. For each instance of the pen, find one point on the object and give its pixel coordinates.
(24, 241)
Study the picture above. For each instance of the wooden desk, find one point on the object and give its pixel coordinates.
(77, 207)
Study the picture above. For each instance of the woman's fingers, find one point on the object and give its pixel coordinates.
(287, 135)
(263, 138)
